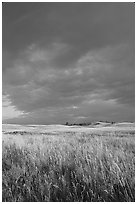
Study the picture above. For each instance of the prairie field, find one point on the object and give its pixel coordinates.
(68, 163)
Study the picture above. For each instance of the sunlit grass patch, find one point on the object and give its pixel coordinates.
(82, 167)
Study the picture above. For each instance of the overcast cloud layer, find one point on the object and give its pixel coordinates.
(68, 62)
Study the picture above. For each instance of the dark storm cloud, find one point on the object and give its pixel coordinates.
(81, 25)
(60, 59)
(106, 71)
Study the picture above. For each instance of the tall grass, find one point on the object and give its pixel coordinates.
(70, 168)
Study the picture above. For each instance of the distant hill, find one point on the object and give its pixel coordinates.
(103, 124)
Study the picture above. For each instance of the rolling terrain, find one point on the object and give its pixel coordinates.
(68, 163)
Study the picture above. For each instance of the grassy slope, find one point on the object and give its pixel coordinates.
(73, 167)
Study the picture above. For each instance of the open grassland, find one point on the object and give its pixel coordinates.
(71, 164)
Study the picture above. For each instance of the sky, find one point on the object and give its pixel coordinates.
(68, 62)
